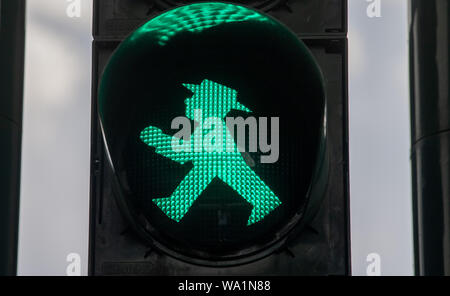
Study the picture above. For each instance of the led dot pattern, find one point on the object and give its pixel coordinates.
(214, 154)
(196, 18)
(154, 137)
(224, 99)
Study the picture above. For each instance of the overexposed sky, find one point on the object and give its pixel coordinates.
(56, 138)
(379, 131)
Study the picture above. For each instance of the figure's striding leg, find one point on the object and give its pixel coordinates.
(178, 204)
(247, 183)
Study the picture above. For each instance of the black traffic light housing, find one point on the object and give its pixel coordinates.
(322, 247)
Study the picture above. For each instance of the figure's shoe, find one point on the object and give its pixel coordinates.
(260, 211)
(174, 208)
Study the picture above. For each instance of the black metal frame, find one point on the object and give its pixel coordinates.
(430, 138)
(12, 36)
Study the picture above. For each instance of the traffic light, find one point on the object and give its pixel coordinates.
(221, 139)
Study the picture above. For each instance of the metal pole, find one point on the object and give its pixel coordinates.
(12, 28)
(430, 119)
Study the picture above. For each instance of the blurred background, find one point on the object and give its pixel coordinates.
(54, 212)
(54, 219)
(380, 137)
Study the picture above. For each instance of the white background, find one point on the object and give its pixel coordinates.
(54, 210)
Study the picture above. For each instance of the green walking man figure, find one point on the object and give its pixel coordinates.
(208, 107)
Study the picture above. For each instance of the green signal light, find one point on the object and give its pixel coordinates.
(226, 162)
(196, 18)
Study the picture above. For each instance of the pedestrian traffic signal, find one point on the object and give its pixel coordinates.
(224, 161)
(214, 122)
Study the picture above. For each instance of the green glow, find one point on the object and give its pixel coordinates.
(196, 18)
(225, 162)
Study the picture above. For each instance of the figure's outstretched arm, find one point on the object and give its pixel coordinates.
(153, 136)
